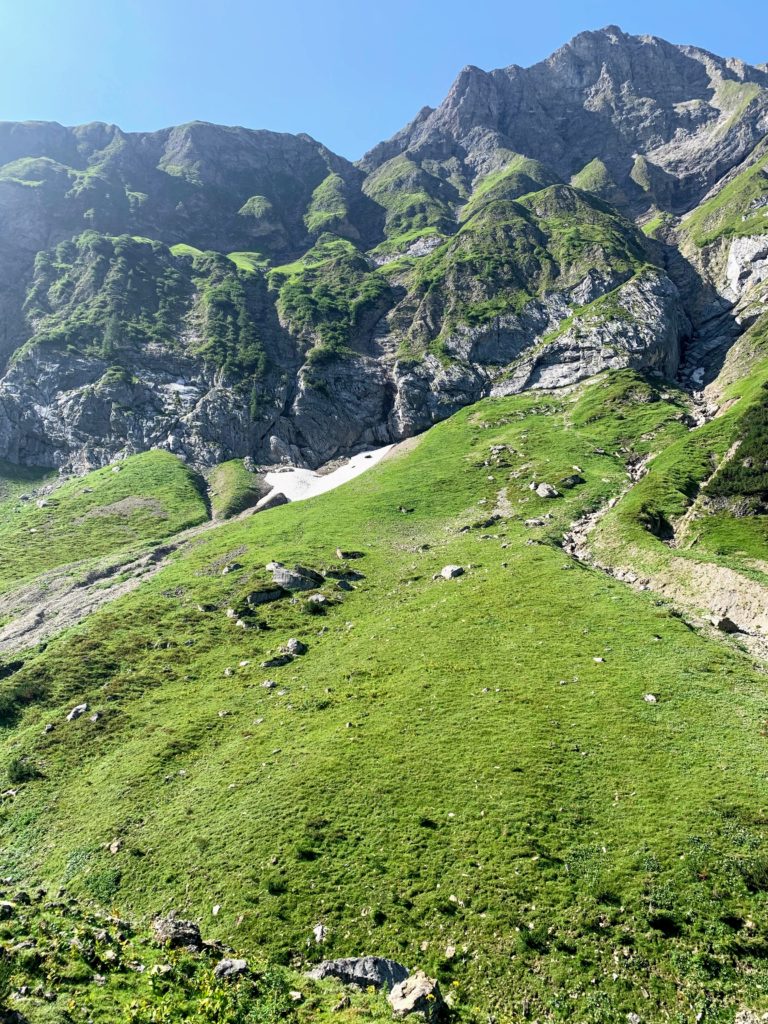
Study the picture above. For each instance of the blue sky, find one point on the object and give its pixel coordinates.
(348, 73)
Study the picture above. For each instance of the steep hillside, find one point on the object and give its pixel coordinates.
(496, 708)
(508, 808)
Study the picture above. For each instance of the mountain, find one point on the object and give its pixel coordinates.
(222, 293)
(495, 709)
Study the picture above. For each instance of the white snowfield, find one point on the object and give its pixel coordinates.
(298, 484)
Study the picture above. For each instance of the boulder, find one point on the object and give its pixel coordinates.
(450, 572)
(170, 931)
(417, 994)
(77, 712)
(364, 971)
(574, 480)
(229, 968)
(294, 647)
(546, 491)
(278, 661)
(724, 624)
(298, 578)
(264, 596)
(271, 500)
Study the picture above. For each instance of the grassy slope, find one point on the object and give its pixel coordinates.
(151, 497)
(449, 764)
(58, 948)
(676, 477)
(233, 489)
(734, 210)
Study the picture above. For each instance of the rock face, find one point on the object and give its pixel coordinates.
(655, 114)
(124, 325)
(363, 971)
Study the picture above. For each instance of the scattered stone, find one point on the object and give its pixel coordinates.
(417, 994)
(650, 698)
(347, 556)
(450, 572)
(115, 846)
(572, 481)
(343, 585)
(77, 712)
(724, 624)
(206, 607)
(269, 684)
(295, 996)
(294, 647)
(362, 970)
(49, 727)
(264, 596)
(7, 910)
(229, 672)
(599, 661)
(230, 968)
(232, 567)
(547, 491)
(278, 661)
(320, 933)
(343, 1004)
(170, 931)
(319, 599)
(95, 717)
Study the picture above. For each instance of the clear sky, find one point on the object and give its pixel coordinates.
(348, 72)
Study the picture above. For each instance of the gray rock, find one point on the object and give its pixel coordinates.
(450, 572)
(272, 500)
(546, 491)
(77, 712)
(173, 932)
(277, 661)
(362, 970)
(295, 579)
(294, 647)
(229, 968)
(264, 596)
(417, 994)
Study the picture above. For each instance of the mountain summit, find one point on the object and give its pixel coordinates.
(222, 292)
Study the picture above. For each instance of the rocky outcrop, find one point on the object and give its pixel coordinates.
(747, 264)
(667, 121)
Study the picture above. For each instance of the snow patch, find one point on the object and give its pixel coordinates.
(297, 484)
